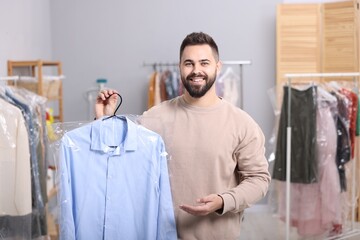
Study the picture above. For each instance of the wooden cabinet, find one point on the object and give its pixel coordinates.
(47, 80)
(317, 38)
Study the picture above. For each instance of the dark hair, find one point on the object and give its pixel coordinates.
(199, 38)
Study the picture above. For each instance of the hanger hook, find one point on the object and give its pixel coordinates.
(114, 115)
(119, 103)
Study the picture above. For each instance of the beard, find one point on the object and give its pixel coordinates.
(198, 91)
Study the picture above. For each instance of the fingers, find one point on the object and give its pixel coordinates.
(106, 93)
(209, 198)
(200, 210)
(206, 205)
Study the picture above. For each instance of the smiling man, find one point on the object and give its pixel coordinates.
(217, 165)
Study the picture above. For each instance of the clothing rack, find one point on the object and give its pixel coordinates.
(290, 76)
(236, 62)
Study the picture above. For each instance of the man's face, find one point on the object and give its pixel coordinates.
(198, 69)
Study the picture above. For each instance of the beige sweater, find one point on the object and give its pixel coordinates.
(219, 149)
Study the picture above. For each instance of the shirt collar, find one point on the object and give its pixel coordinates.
(129, 144)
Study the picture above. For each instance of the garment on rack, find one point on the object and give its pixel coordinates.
(151, 90)
(227, 86)
(37, 107)
(164, 86)
(157, 94)
(304, 168)
(343, 153)
(358, 118)
(168, 85)
(352, 114)
(15, 178)
(114, 183)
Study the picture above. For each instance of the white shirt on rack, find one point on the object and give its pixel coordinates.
(15, 178)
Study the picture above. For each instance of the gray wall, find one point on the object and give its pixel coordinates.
(112, 39)
(24, 30)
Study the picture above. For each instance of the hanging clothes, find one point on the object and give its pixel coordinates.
(169, 87)
(157, 94)
(151, 90)
(316, 207)
(114, 183)
(347, 127)
(37, 107)
(343, 153)
(352, 114)
(303, 125)
(15, 178)
(163, 85)
(28, 104)
(227, 86)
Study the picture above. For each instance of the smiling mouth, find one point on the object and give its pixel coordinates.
(196, 79)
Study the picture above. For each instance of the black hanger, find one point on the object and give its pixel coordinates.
(114, 115)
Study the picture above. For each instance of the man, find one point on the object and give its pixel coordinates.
(217, 166)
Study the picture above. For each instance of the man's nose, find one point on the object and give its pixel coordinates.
(197, 69)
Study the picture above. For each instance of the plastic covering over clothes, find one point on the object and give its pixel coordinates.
(227, 86)
(321, 130)
(113, 181)
(23, 164)
(303, 124)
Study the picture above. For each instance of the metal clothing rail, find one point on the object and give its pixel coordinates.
(50, 77)
(236, 62)
(45, 77)
(290, 76)
(12, 80)
(9, 78)
(5, 80)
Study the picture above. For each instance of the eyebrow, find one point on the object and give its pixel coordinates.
(201, 60)
(204, 60)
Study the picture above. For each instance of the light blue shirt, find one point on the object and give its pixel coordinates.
(114, 183)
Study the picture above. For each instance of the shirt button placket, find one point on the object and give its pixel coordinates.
(109, 179)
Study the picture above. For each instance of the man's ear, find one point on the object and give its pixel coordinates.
(218, 67)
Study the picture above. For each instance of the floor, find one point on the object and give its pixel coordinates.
(260, 224)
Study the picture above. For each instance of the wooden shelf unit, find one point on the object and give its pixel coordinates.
(37, 68)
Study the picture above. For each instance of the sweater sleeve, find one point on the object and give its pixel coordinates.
(252, 167)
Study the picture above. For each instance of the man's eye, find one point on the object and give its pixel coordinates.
(205, 63)
(188, 64)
